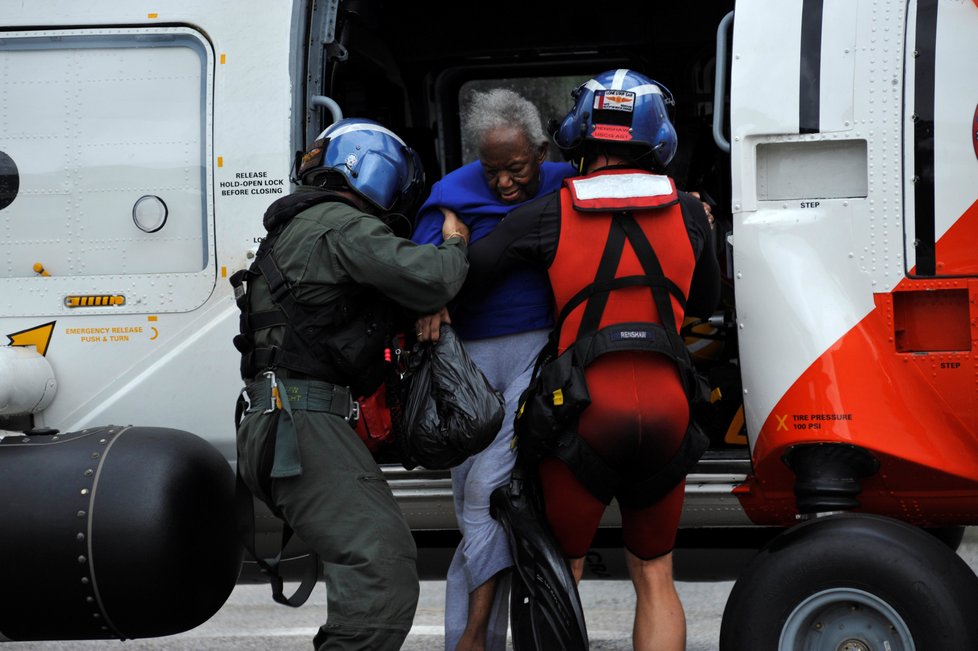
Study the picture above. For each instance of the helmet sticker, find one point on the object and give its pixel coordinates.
(625, 107)
(313, 157)
(612, 132)
(614, 100)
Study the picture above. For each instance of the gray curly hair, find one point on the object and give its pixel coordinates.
(501, 107)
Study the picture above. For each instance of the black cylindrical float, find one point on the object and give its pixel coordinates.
(114, 532)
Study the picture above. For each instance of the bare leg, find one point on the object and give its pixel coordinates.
(480, 605)
(577, 568)
(660, 623)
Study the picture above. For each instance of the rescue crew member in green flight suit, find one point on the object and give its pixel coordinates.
(317, 313)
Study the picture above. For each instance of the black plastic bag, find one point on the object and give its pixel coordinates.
(451, 411)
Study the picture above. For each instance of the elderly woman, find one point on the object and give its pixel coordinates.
(503, 331)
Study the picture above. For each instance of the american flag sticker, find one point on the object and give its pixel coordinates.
(614, 100)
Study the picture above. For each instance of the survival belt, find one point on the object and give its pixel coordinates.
(547, 414)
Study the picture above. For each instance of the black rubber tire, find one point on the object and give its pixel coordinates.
(950, 536)
(911, 581)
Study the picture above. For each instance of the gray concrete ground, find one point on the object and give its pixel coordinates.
(250, 620)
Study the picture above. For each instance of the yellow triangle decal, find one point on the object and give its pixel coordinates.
(39, 337)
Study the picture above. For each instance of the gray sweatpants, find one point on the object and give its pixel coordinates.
(507, 363)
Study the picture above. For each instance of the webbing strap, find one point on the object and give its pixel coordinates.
(651, 489)
(639, 335)
(237, 281)
(623, 228)
(605, 483)
(651, 265)
(307, 395)
(245, 507)
(297, 350)
(278, 357)
(593, 472)
(618, 283)
(607, 267)
(277, 284)
(288, 395)
(596, 294)
(267, 319)
(286, 462)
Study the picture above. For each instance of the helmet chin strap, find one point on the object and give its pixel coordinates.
(656, 161)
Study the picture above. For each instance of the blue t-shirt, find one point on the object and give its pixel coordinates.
(521, 300)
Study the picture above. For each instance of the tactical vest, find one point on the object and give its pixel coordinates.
(636, 301)
(342, 342)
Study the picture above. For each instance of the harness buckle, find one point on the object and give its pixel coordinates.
(245, 398)
(275, 400)
(354, 414)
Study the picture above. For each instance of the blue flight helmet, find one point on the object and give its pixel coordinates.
(372, 160)
(621, 107)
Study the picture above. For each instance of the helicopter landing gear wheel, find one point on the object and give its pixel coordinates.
(852, 583)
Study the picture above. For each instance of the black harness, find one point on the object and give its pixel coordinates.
(601, 480)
